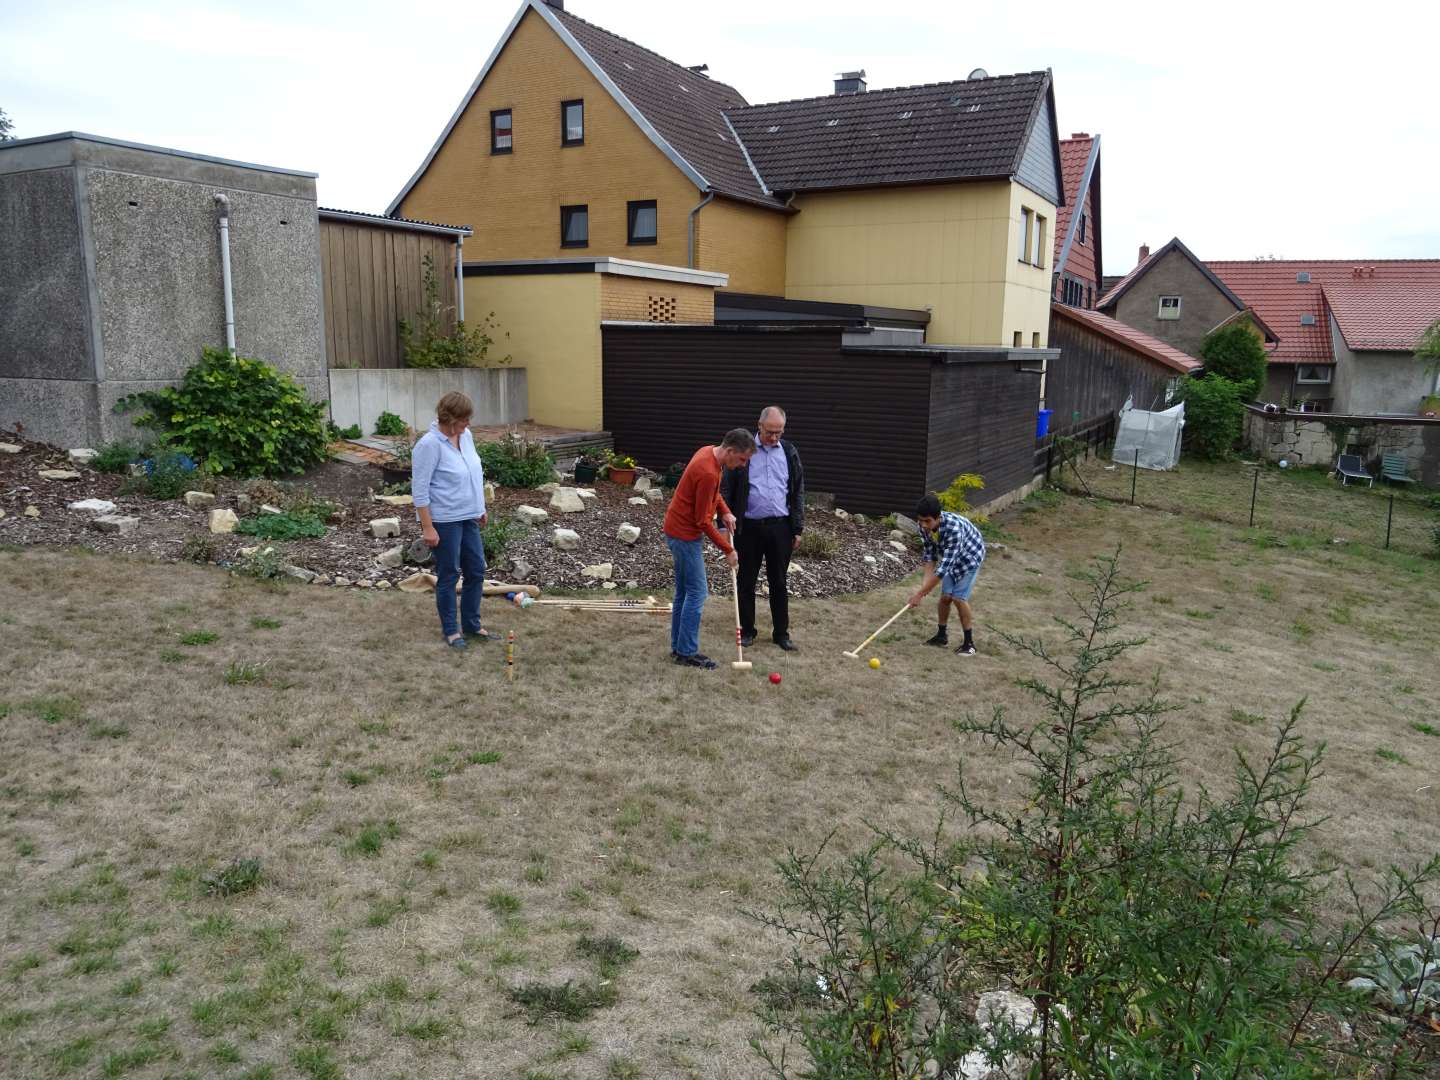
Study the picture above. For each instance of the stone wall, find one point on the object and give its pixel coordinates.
(1313, 440)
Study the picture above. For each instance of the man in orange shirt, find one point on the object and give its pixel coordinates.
(692, 512)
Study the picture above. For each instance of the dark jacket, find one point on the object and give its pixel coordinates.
(735, 489)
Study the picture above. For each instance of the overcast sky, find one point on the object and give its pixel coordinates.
(1299, 130)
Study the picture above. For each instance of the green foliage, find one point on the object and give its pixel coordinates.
(1213, 415)
(815, 544)
(1235, 352)
(496, 537)
(1157, 933)
(1427, 349)
(235, 416)
(264, 564)
(336, 432)
(609, 953)
(387, 423)
(239, 876)
(955, 499)
(1404, 976)
(289, 525)
(167, 476)
(116, 457)
(541, 1003)
(425, 344)
(198, 548)
(514, 461)
(6, 126)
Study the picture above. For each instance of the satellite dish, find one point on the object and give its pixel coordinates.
(978, 73)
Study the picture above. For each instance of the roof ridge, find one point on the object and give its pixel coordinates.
(1317, 262)
(889, 90)
(564, 14)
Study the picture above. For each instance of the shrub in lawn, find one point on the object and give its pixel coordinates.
(1156, 933)
(815, 544)
(116, 457)
(609, 953)
(264, 564)
(199, 548)
(540, 1002)
(1213, 414)
(289, 525)
(236, 416)
(515, 461)
(239, 876)
(387, 423)
(1235, 352)
(496, 536)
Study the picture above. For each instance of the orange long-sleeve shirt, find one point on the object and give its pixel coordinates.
(697, 500)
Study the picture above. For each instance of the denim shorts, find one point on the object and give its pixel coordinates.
(959, 585)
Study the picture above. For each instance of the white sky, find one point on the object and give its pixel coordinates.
(1299, 130)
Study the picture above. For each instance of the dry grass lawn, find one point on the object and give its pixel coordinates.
(431, 836)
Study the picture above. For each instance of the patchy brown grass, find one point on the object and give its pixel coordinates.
(437, 844)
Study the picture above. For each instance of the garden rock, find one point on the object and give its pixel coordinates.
(243, 503)
(381, 528)
(223, 521)
(58, 474)
(382, 584)
(94, 506)
(892, 556)
(566, 539)
(587, 493)
(841, 514)
(627, 533)
(905, 524)
(298, 573)
(116, 523)
(999, 1009)
(32, 511)
(549, 488)
(9, 448)
(419, 553)
(870, 560)
(365, 583)
(520, 569)
(82, 455)
(341, 581)
(859, 519)
(608, 585)
(418, 583)
(320, 579)
(199, 500)
(266, 508)
(531, 515)
(897, 545)
(655, 494)
(396, 500)
(897, 534)
(392, 558)
(600, 571)
(638, 500)
(2, 515)
(489, 492)
(643, 484)
(567, 501)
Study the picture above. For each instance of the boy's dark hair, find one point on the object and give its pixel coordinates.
(928, 506)
(738, 439)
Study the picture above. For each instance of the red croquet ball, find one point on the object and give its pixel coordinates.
(775, 676)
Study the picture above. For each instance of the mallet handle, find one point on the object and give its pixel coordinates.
(877, 633)
(735, 591)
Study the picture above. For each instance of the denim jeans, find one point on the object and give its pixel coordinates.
(690, 592)
(460, 551)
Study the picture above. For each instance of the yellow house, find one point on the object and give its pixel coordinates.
(575, 142)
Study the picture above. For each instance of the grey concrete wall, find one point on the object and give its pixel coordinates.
(1308, 441)
(1202, 306)
(360, 395)
(1382, 383)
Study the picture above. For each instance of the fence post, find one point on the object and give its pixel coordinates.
(1049, 455)
(1389, 517)
(1134, 476)
(1254, 490)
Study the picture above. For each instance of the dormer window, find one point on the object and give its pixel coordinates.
(502, 135)
(572, 123)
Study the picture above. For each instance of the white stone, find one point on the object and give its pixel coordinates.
(58, 474)
(897, 534)
(9, 448)
(549, 488)
(655, 494)
(299, 573)
(566, 539)
(531, 515)
(643, 484)
(32, 511)
(627, 533)
(392, 558)
(600, 571)
(320, 579)
(632, 584)
(841, 514)
(116, 523)
(381, 528)
(489, 492)
(341, 581)
(242, 503)
(892, 557)
(859, 519)
(199, 500)
(870, 560)
(82, 455)
(396, 500)
(223, 521)
(2, 515)
(382, 584)
(638, 500)
(567, 501)
(897, 545)
(521, 569)
(418, 583)
(246, 552)
(266, 508)
(608, 585)
(587, 493)
(365, 583)
(94, 506)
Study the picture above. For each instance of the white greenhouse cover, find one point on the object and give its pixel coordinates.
(1155, 434)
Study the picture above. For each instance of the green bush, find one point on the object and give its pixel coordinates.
(955, 499)
(1213, 416)
(336, 432)
(496, 537)
(290, 525)
(425, 343)
(116, 457)
(167, 475)
(387, 423)
(817, 545)
(1237, 353)
(1156, 932)
(235, 416)
(516, 462)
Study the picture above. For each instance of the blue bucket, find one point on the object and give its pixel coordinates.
(1042, 423)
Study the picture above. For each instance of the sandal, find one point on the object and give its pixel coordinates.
(457, 643)
(483, 635)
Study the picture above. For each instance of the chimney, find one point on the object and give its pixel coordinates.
(850, 82)
(1144, 253)
(1079, 135)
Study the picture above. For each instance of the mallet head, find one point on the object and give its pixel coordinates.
(741, 665)
(853, 656)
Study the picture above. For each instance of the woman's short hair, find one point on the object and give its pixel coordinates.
(454, 406)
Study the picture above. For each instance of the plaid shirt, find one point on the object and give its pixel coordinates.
(956, 547)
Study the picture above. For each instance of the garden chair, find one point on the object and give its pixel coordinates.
(1395, 467)
(1350, 467)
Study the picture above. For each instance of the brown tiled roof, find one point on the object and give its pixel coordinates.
(1142, 343)
(1083, 260)
(686, 108)
(972, 129)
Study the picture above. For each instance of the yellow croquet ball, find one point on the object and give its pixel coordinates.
(874, 661)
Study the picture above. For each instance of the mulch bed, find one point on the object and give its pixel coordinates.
(171, 531)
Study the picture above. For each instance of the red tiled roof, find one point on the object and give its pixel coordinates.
(1074, 153)
(1154, 348)
(1381, 304)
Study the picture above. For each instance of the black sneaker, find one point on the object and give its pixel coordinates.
(786, 644)
(747, 640)
(699, 660)
(966, 649)
(941, 639)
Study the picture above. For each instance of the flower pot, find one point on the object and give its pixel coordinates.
(584, 474)
(395, 474)
(623, 477)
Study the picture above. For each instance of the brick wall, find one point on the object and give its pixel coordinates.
(631, 299)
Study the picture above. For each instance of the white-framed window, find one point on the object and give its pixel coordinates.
(1313, 373)
(1041, 239)
(1169, 308)
(1027, 219)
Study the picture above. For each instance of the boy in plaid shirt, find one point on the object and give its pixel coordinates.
(954, 550)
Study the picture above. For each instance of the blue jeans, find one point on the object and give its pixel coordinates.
(690, 592)
(460, 551)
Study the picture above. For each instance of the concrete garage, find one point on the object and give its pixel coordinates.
(111, 282)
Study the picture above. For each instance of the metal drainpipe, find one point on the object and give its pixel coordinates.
(690, 257)
(223, 202)
(460, 277)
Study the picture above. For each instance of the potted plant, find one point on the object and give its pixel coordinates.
(396, 470)
(587, 467)
(620, 468)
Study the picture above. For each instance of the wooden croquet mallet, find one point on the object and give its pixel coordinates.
(855, 655)
(510, 655)
(741, 664)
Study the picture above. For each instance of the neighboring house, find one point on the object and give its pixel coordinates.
(574, 141)
(1173, 296)
(1347, 329)
(1078, 281)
